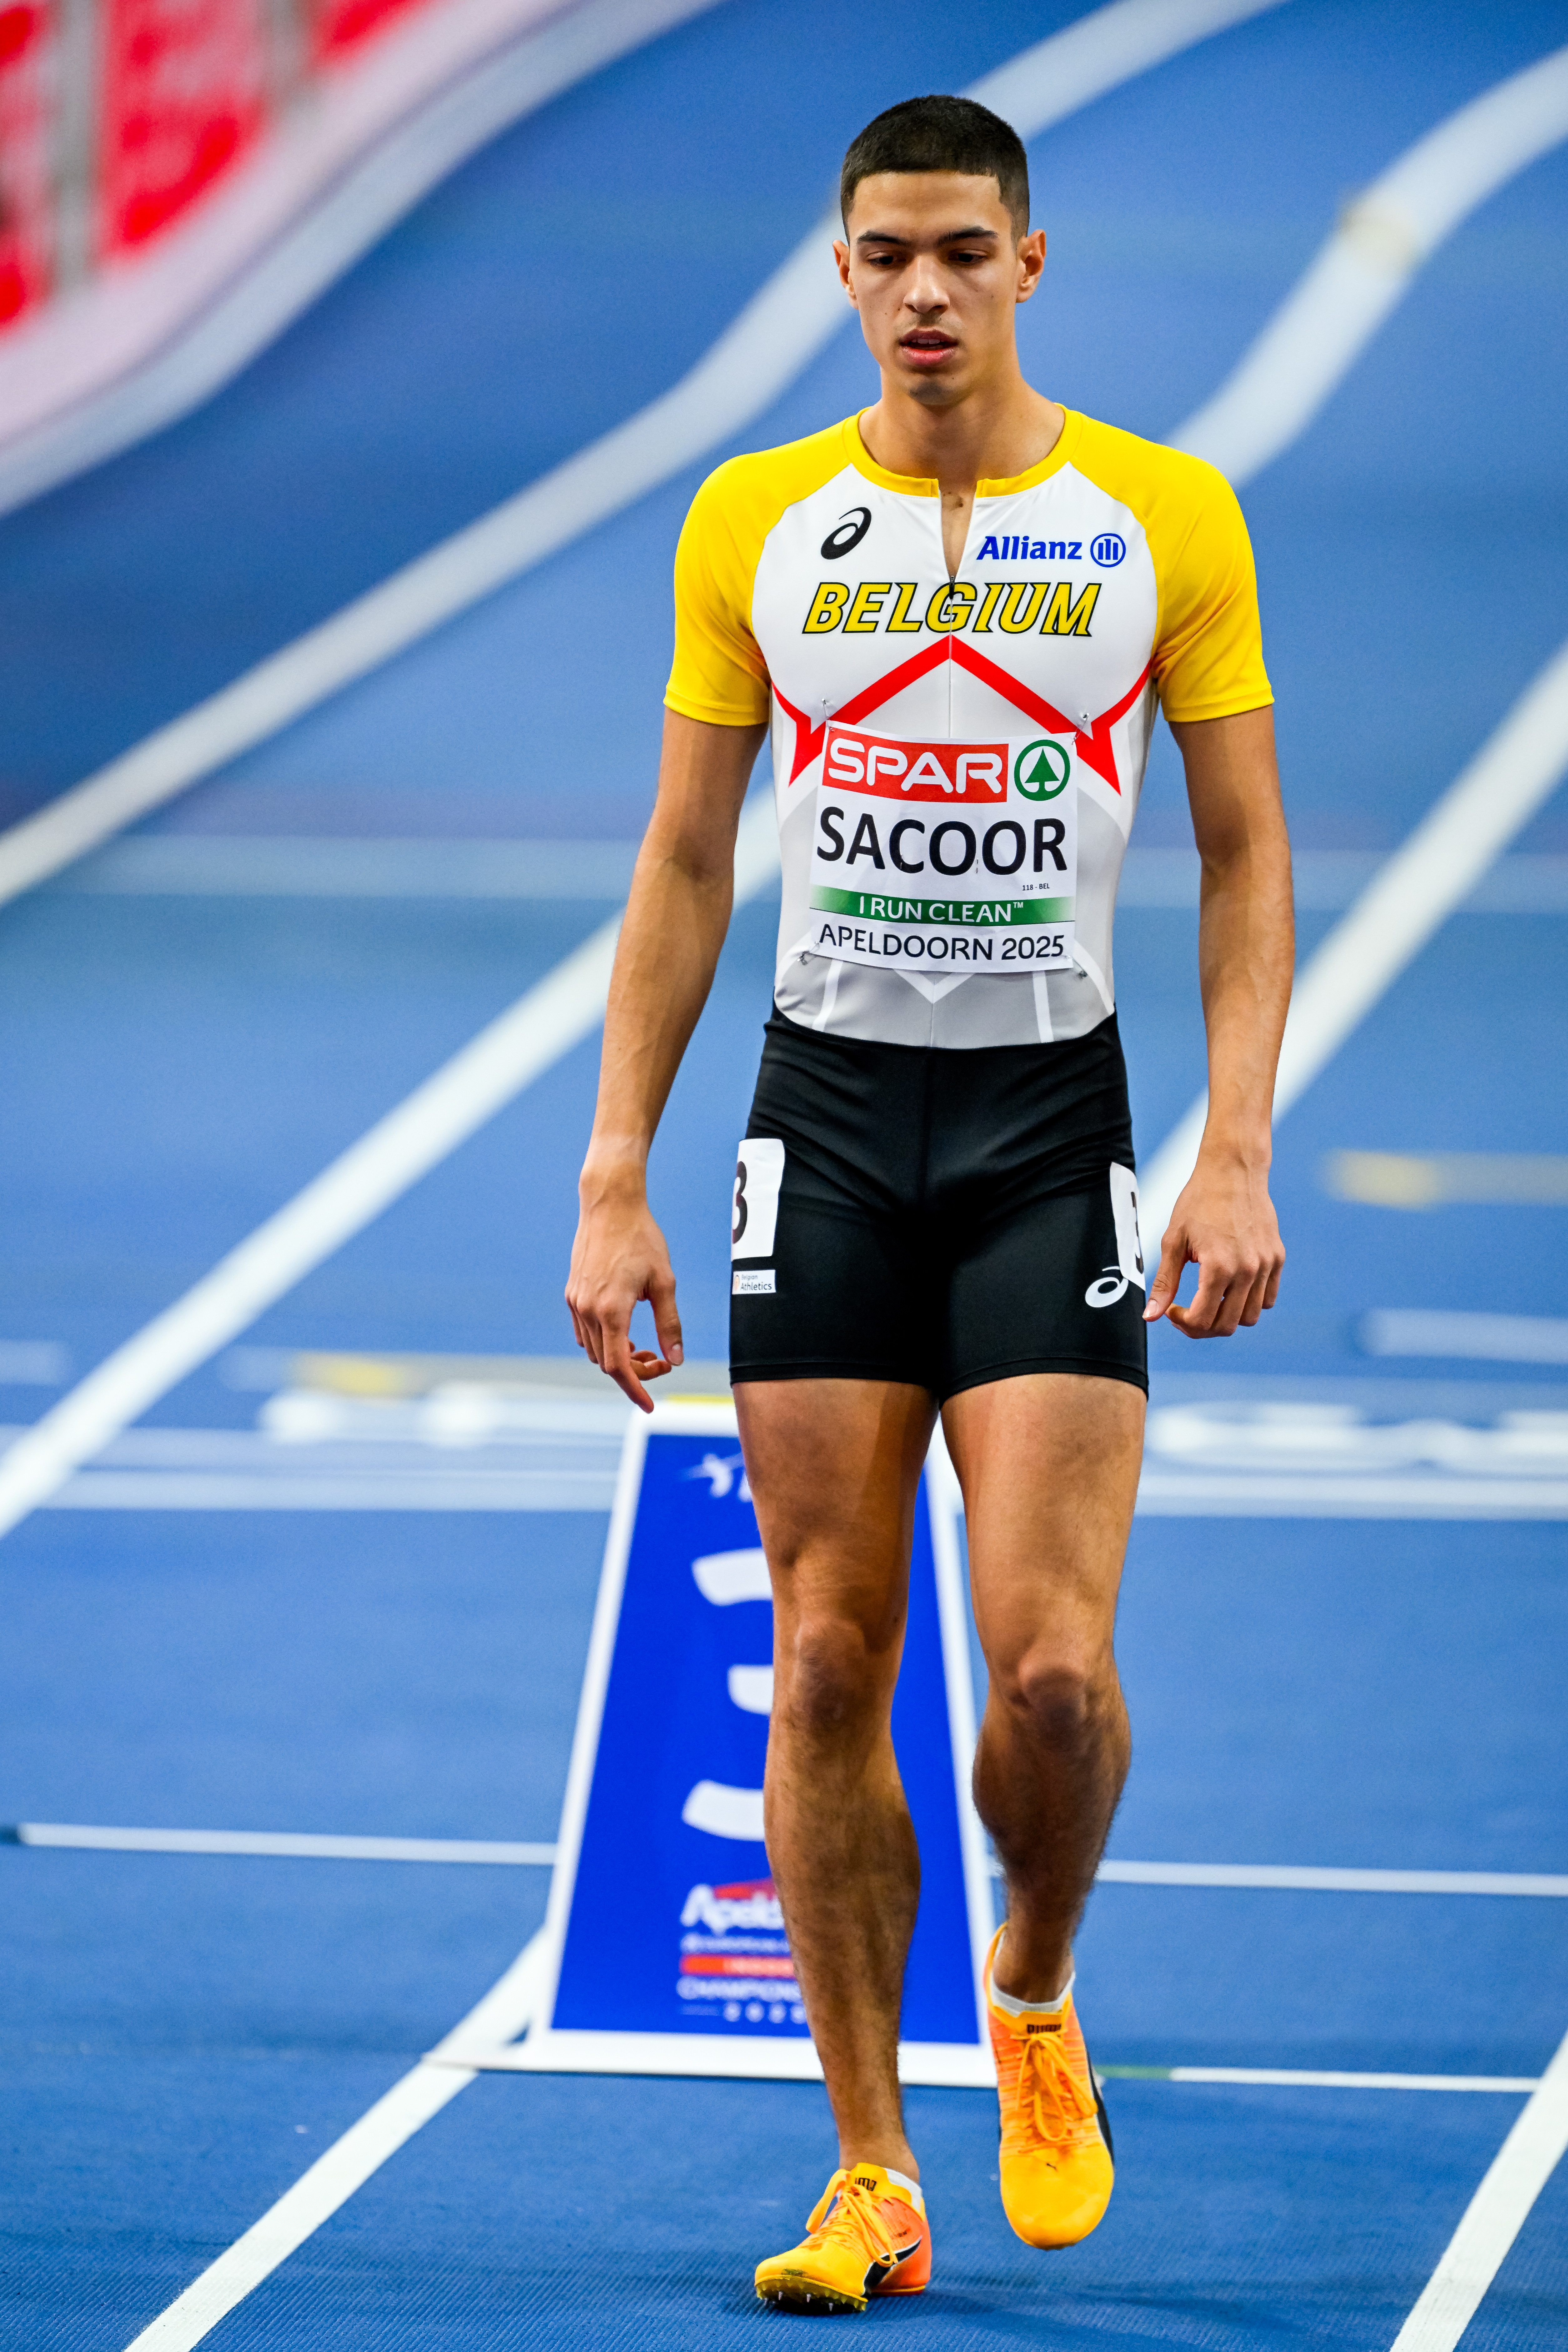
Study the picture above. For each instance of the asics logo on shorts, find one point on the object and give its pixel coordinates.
(1110, 1287)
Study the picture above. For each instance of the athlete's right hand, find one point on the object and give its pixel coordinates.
(619, 1257)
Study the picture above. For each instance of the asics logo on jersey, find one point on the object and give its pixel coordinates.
(847, 535)
(1018, 607)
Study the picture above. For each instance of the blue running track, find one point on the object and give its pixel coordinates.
(1378, 1686)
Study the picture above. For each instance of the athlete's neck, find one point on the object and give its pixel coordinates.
(990, 436)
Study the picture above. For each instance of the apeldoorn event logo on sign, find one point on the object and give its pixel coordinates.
(734, 1953)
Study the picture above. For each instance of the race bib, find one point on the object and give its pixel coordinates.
(945, 857)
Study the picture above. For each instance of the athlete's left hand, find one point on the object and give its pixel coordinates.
(1225, 1221)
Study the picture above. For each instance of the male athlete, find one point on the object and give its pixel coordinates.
(959, 613)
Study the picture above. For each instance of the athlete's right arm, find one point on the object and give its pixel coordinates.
(675, 923)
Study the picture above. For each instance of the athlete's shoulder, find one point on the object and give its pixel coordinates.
(719, 673)
(1144, 475)
(757, 487)
(1208, 647)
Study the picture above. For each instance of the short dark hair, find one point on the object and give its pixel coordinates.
(940, 134)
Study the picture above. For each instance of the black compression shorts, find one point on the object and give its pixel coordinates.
(940, 1216)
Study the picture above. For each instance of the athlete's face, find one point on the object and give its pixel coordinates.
(933, 265)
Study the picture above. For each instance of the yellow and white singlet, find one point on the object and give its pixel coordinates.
(957, 763)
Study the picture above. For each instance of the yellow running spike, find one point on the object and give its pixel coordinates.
(1057, 2168)
(867, 2235)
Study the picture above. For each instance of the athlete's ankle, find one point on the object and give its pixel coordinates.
(1035, 1979)
(892, 2156)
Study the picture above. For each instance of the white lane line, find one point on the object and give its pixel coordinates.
(1307, 1878)
(429, 1123)
(1510, 778)
(1297, 363)
(505, 2012)
(1292, 2078)
(1384, 236)
(426, 1126)
(1496, 2214)
(293, 1845)
(1290, 1877)
(1452, 1332)
(148, 350)
(773, 340)
(1295, 2078)
(1314, 1495)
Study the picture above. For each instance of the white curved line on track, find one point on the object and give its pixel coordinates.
(506, 2011)
(1407, 901)
(1494, 2217)
(270, 287)
(1297, 363)
(1366, 267)
(774, 338)
(538, 1030)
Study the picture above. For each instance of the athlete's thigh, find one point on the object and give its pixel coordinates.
(1049, 1463)
(826, 1243)
(833, 1466)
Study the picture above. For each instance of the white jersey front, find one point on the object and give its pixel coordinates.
(957, 761)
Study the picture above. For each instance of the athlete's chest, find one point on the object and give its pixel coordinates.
(1054, 600)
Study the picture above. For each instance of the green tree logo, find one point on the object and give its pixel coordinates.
(1041, 769)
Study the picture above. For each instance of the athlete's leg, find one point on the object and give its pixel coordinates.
(1048, 1464)
(834, 1467)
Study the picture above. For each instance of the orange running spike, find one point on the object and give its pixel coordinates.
(1057, 2168)
(864, 2238)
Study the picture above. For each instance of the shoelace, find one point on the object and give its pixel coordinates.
(1049, 2095)
(858, 2214)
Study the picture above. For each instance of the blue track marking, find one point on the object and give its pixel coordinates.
(1238, 2217)
(1527, 2303)
(223, 1959)
(1367, 1691)
(1455, 1050)
(391, 1674)
(132, 2170)
(209, 1056)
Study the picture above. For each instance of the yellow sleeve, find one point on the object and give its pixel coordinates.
(719, 673)
(1208, 654)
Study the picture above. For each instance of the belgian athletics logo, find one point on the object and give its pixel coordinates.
(1041, 769)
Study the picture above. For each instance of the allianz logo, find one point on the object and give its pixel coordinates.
(720, 1913)
(1107, 550)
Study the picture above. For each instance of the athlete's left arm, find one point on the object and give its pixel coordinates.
(1224, 1218)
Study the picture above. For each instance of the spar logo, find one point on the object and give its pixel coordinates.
(1041, 769)
(918, 772)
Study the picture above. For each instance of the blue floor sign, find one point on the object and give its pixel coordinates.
(667, 1950)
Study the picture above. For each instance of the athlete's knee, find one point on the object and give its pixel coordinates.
(1059, 1695)
(828, 1677)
